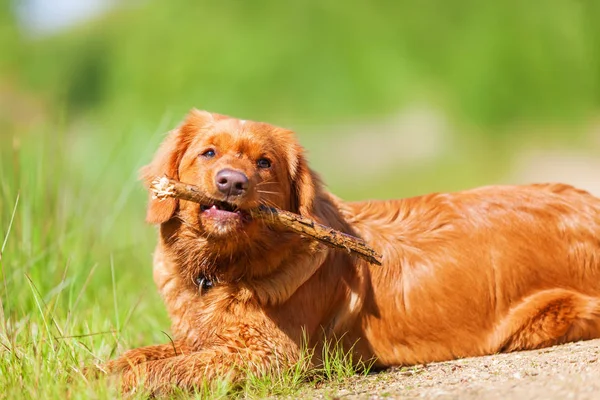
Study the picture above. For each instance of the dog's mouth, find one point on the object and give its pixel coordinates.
(224, 211)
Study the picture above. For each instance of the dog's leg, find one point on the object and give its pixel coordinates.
(134, 357)
(548, 318)
(191, 371)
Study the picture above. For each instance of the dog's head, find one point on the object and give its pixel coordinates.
(238, 165)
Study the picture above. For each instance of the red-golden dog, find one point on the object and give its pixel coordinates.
(488, 270)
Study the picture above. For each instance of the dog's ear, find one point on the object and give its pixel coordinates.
(306, 184)
(166, 163)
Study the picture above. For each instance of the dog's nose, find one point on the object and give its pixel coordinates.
(231, 183)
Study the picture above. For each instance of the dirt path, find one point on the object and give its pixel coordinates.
(571, 371)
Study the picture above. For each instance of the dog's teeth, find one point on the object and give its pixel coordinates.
(214, 206)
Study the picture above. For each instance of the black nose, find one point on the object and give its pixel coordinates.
(231, 183)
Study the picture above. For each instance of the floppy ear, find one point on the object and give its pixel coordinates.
(166, 163)
(306, 184)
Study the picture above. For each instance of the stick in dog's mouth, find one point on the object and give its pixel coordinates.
(163, 188)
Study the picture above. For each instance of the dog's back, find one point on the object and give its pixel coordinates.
(477, 272)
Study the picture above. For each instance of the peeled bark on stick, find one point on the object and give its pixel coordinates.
(165, 187)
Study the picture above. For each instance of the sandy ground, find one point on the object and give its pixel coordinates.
(570, 371)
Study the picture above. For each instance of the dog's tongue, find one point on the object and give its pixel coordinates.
(216, 213)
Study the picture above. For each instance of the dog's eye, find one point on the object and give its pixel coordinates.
(210, 153)
(263, 163)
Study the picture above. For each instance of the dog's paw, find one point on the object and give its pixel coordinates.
(137, 382)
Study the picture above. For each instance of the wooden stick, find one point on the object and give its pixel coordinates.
(164, 187)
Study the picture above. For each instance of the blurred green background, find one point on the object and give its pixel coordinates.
(391, 98)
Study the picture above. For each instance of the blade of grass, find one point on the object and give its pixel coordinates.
(114, 290)
(42, 314)
(5, 241)
(80, 295)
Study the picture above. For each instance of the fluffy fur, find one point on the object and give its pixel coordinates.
(488, 270)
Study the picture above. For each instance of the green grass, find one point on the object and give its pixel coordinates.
(76, 278)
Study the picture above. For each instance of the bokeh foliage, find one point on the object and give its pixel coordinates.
(488, 62)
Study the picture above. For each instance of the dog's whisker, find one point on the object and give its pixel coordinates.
(268, 203)
(268, 192)
(271, 182)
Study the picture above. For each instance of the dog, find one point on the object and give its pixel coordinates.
(488, 270)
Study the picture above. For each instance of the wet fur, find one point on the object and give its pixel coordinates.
(499, 268)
